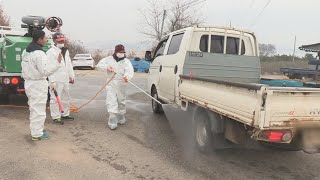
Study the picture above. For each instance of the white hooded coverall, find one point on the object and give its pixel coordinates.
(35, 70)
(116, 90)
(62, 78)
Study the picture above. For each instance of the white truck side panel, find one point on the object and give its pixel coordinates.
(290, 107)
(237, 103)
(284, 108)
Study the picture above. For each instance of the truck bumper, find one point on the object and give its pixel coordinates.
(11, 88)
(306, 138)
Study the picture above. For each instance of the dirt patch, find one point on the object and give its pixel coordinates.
(57, 152)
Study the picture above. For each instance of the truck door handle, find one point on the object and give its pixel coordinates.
(176, 69)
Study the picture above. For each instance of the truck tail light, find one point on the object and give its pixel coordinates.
(276, 135)
(15, 81)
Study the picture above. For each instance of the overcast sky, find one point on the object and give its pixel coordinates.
(111, 21)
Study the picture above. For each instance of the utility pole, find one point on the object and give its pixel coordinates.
(294, 47)
(162, 26)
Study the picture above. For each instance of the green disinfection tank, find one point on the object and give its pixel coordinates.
(11, 51)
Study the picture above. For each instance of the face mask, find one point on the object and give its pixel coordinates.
(120, 55)
(60, 45)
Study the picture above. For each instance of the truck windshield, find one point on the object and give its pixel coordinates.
(160, 49)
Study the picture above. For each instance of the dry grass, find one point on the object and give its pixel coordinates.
(273, 67)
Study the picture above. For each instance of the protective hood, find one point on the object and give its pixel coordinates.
(33, 47)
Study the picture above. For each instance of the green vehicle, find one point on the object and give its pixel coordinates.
(13, 41)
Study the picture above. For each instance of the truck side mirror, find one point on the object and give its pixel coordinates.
(148, 56)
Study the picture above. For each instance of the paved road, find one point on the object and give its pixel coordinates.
(145, 148)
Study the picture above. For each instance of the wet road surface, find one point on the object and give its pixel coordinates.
(148, 147)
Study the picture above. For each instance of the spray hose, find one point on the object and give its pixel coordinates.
(76, 109)
(141, 90)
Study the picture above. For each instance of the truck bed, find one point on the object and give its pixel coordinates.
(256, 105)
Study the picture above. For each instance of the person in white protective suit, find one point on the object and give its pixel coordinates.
(116, 90)
(60, 80)
(35, 70)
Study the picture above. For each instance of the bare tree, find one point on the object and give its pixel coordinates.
(99, 54)
(152, 20)
(309, 57)
(4, 19)
(179, 14)
(75, 47)
(132, 54)
(184, 13)
(267, 50)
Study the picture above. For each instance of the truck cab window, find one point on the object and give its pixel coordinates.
(233, 46)
(160, 49)
(175, 44)
(204, 43)
(217, 43)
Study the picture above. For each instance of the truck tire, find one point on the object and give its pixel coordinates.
(208, 131)
(202, 133)
(156, 107)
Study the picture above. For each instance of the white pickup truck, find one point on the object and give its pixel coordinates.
(214, 74)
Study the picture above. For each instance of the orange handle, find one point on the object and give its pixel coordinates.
(58, 100)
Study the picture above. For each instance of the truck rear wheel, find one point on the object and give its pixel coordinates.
(156, 107)
(208, 131)
(202, 131)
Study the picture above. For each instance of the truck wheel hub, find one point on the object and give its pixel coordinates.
(201, 135)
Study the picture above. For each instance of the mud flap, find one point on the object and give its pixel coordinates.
(311, 140)
(234, 132)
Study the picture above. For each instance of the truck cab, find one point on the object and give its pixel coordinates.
(208, 52)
